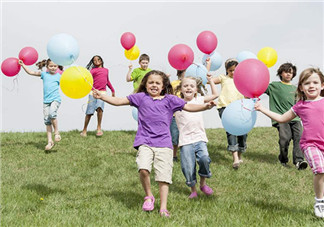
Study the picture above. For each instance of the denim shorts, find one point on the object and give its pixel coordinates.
(50, 111)
(174, 132)
(94, 104)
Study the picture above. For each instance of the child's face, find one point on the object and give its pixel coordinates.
(312, 87)
(154, 85)
(52, 67)
(144, 64)
(286, 76)
(97, 61)
(188, 88)
(230, 71)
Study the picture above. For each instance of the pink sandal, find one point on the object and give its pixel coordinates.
(148, 205)
(206, 190)
(164, 213)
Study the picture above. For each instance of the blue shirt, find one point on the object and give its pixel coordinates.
(51, 85)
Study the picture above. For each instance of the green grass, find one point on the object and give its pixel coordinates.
(94, 182)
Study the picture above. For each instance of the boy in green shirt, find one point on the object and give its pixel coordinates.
(137, 75)
(281, 99)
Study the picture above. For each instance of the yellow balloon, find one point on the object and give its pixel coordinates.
(268, 56)
(132, 53)
(76, 82)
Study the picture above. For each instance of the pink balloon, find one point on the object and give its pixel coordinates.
(128, 40)
(207, 42)
(28, 55)
(10, 67)
(251, 77)
(180, 56)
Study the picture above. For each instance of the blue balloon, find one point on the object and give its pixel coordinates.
(63, 49)
(243, 55)
(239, 117)
(197, 71)
(135, 114)
(216, 60)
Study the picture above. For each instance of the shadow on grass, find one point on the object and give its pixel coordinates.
(128, 198)
(42, 190)
(262, 157)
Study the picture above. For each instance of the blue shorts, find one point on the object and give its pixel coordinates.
(94, 104)
(174, 132)
(50, 111)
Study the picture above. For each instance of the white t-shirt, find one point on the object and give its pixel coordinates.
(191, 125)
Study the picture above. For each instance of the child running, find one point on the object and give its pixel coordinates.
(192, 135)
(310, 108)
(137, 74)
(156, 105)
(100, 81)
(52, 99)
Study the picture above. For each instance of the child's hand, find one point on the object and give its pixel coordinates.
(130, 66)
(210, 104)
(168, 75)
(21, 62)
(209, 77)
(208, 64)
(96, 94)
(113, 94)
(258, 106)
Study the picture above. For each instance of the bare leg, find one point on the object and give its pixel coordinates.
(55, 126)
(202, 181)
(240, 156)
(164, 190)
(86, 122)
(319, 185)
(236, 162)
(49, 133)
(146, 182)
(99, 116)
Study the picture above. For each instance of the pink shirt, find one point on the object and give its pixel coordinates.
(312, 116)
(101, 79)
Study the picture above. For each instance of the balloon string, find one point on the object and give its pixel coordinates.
(14, 82)
(254, 100)
(83, 75)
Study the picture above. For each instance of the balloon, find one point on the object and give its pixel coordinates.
(76, 82)
(10, 67)
(132, 53)
(63, 49)
(197, 71)
(251, 78)
(135, 113)
(128, 40)
(28, 55)
(180, 56)
(216, 60)
(206, 42)
(239, 117)
(268, 56)
(243, 55)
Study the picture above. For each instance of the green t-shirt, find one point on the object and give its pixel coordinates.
(137, 76)
(282, 97)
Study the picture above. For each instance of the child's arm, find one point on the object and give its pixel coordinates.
(214, 94)
(199, 107)
(116, 101)
(216, 80)
(286, 117)
(129, 73)
(30, 72)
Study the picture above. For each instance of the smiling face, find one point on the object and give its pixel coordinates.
(188, 88)
(230, 71)
(154, 85)
(97, 62)
(52, 67)
(312, 87)
(286, 77)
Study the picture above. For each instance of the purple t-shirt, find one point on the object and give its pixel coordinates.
(312, 115)
(154, 118)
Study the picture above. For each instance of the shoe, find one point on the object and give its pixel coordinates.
(99, 133)
(57, 138)
(49, 146)
(236, 165)
(164, 213)
(301, 165)
(284, 164)
(206, 190)
(175, 159)
(148, 205)
(83, 134)
(319, 209)
(193, 195)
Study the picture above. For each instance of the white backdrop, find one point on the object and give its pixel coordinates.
(293, 29)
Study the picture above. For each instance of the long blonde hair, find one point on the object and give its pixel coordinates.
(303, 77)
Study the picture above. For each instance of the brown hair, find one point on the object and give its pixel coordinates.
(303, 77)
(167, 88)
(43, 63)
(144, 57)
(229, 63)
(200, 87)
(288, 68)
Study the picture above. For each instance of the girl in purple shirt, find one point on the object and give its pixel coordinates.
(156, 105)
(310, 108)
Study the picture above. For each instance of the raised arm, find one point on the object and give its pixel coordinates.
(129, 73)
(216, 80)
(116, 101)
(30, 72)
(199, 107)
(214, 94)
(286, 117)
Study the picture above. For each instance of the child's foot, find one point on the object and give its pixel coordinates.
(319, 209)
(240, 161)
(193, 195)
(301, 165)
(83, 134)
(236, 165)
(57, 137)
(148, 204)
(164, 213)
(206, 190)
(175, 159)
(99, 133)
(49, 146)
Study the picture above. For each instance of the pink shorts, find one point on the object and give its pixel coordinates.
(315, 159)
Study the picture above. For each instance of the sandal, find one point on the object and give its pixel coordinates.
(57, 138)
(83, 134)
(164, 213)
(49, 146)
(236, 165)
(148, 205)
(99, 133)
(206, 190)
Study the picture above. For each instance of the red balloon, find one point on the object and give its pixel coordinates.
(251, 77)
(10, 67)
(128, 40)
(28, 55)
(206, 42)
(180, 56)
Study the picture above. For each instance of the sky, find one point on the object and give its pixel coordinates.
(293, 29)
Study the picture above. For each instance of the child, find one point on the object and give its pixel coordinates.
(193, 139)
(156, 105)
(137, 75)
(52, 98)
(229, 93)
(281, 99)
(174, 128)
(310, 108)
(100, 81)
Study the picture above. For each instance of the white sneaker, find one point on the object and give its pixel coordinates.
(319, 209)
